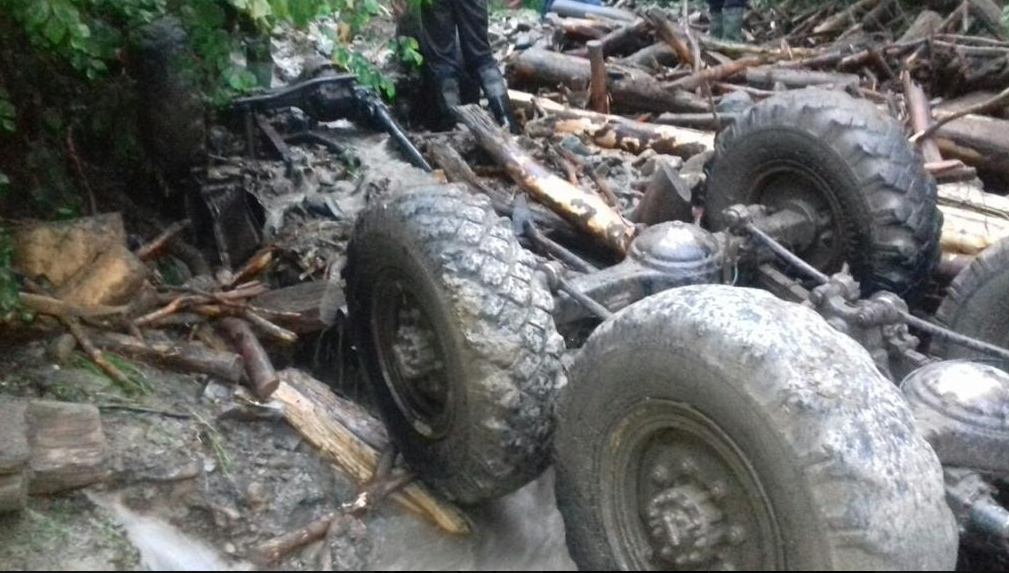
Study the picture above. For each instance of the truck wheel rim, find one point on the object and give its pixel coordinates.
(411, 356)
(679, 494)
(789, 185)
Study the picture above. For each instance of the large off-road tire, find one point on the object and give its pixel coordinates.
(455, 332)
(977, 303)
(172, 123)
(849, 162)
(711, 427)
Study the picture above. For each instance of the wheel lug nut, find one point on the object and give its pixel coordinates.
(718, 490)
(737, 534)
(661, 475)
(688, 466)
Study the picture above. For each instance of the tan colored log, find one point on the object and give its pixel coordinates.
(615, 132)
(263, 379)
(311, 408)
(969, 232)
(586, 211)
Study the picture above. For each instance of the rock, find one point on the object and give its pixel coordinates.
(112, 278)
(59, 250)
(67, 443)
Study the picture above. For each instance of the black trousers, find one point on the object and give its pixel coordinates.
(717, 5)
(448, 24)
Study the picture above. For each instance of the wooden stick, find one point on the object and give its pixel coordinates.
(668, 33)
(184, 357)
(921, 116)
(599, 96)
(153, 249)
(52, 306)
(717, 73)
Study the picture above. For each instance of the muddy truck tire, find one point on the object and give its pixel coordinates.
(717, 427)
(977, 303)
(171, 111)
(850, 164)
(454, 330)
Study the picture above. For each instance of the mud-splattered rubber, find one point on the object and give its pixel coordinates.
(977, 303)
(851, 482)
(886, 200)
(492, 313)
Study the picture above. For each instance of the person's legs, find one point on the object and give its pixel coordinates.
(732, 20)
(438, 44)
(472, 19)
(715, 15)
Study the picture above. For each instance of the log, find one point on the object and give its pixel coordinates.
(714, 74)
(178, 356)
(974, 199)
(968, 232)
(921, 117)
(599, 97)
(977, 140)
(925, 25)
(574, 9)
(14, 455)
(632, 89)
(68, 448)
(153, 249)
(966, 101)
(669, 34)
(734, 49)
(990, 14)
(13, 492)
(614, 132)
(584, 210)
(582, 28)
(263, 380)
(651, 57)
(623, 37)
(796, 78)
(302, 300)
(314, 411)
(51, 306)
(845, 18)
(702, 121)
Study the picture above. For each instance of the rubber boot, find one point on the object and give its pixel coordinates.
(500, 104)
(732, 24)
(448, 100)
(716, 24)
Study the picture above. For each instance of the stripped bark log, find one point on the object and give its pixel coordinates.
(615, 132)
(584, 210)
(309, 407)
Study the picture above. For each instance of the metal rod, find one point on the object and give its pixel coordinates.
(593, 306)
(788, 256)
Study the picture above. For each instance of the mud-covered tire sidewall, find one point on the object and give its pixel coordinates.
(883, 197)
(851, 483)
(977, 304)
(491, 313)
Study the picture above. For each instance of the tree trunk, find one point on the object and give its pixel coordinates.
(262, 377)
(630, 89)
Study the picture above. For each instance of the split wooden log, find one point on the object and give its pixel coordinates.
(182, 357)
(263, 380)
(632, 89)
(314, 411)
(921, 117)
(796, 78)
(615, 132)
(584, 210)
(599, 96)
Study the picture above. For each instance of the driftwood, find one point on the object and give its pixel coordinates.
(314, 411)
(584, 210)
(610, 131)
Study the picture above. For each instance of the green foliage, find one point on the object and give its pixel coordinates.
(407, 50)
(366, 72)
(9, 301)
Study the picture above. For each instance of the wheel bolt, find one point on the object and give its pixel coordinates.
(661, 475)
(737, 534)
(689, 467)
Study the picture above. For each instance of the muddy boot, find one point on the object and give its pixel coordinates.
(716, 24)
(500, 105)
(732, 24)
(448, 100)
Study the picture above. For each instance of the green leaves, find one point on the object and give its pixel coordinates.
(8, 113)
(407, 50)
(366, 72)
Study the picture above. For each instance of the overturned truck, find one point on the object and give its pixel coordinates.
(748, 393)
